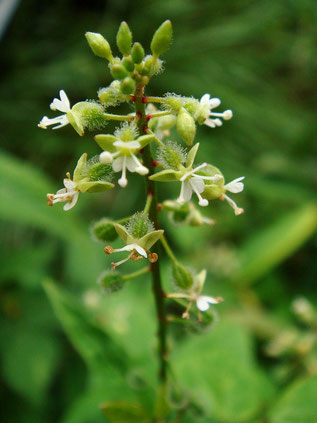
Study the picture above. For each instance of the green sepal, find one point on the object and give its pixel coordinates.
(162, 38)
(124, 39)
(182, 276)
(144, 140)
(167, 175)
(81, 164)
(74, 120)
(105, 141)
(213, 190)
(123, 233)
(200, 281)
(191, 155)
(118, 71)
(94, 186)
(150, 239)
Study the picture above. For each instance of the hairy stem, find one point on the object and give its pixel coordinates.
(153, 215)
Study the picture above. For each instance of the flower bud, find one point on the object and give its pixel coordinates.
(118, 71)
(99, 45)
(186, 127)
(103, 230)
(97, 171)
(182, 276)
(112, 95)
(171, 155)
(139, 225)
(127, 85)
(111, 281)
(137, 53)
(162, 38)
(128, 64)
(124, 39)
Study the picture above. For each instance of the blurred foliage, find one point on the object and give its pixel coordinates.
(259, 364)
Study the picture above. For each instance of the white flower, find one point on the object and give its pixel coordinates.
(136, 253)
(191, 182)
(211, 103)
(62, 105)
(235, 187)
(69, 194)
(193, 295)
(124, 158)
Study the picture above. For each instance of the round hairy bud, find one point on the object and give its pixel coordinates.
(137, 53)
(139, 225)
(162, 38)
(127, 86)
(171, 155)
(183, 277)
(186, 127)
(118, 71)
(111, 281)
(128, 64)
(99, 45)
(104, 231)
(112, 95)
(124, 39)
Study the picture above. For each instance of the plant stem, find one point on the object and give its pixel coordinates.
(153, 215)
(117, 117)
(159, 114)
(155, 99)
(137, 273)
(168, 249)
(148, 203)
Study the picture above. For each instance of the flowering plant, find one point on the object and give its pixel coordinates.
(141, 144)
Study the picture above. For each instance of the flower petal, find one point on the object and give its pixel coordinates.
(131, 164)
(205, 99)
(187, 191)
(203, 302)
(70, 204)
(117, 164)
(198, 184)
(64, 99)
(235, 186)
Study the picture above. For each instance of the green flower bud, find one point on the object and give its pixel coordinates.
(137, 53)
(128, 64)
(99, 45)
(99, 172)
(111, 281)
(124, 39)
(162, 38)
(139, 225)
(174, 102)
(183, 278)
(186, 127)
(112, 95)
(118, 71)
(127, 86)
(171, 155)
(104, 231)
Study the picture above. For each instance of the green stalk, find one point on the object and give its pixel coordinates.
(153, 215)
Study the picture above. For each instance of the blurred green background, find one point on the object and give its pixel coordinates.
(66, 347)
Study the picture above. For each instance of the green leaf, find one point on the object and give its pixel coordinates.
(298, 404)
(232, 387)
(274, 244)
(191, 155)
(22, 200)
(167, 175)
(123, 412)
(91, 342)
(29, 361)
(105, 141)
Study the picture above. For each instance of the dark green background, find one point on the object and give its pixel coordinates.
(259, 57)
